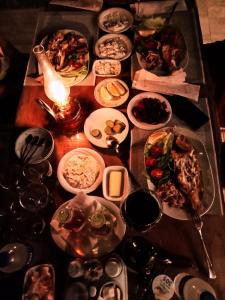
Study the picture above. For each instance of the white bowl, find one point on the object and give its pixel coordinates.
(150, 96)
(109, 65)
(116, 101)
(110, 37)
(115, 14)
(85, 151)
(125, 183)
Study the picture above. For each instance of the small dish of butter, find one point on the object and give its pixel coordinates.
(115, 183)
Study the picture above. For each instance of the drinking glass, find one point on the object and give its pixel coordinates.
(141, 210)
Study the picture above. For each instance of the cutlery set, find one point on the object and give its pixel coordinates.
(30, 147)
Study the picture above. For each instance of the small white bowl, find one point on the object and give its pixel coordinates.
(125, 183)
(80, 151)
(107, 65)
(150, 96)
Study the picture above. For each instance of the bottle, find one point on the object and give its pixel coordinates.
(188, 287)
(14, 256)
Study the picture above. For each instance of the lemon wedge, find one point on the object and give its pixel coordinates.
(104, 94)
(112, 88)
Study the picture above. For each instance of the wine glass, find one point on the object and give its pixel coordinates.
(141, 210)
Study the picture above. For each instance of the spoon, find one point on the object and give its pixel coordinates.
(24, 149)
(113, 143)
(39, 143)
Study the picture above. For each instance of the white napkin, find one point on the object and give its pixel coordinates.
(173, 84)
(93, 5)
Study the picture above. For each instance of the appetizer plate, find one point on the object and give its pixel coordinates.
(115, 20)
(71, 74)
(82, 152)
(105, 97)
(162, 62)
(97, 120)
(124, 183)
(150, 97)
(113, 46)
(61, 235)
(106, 67)
(208, 194)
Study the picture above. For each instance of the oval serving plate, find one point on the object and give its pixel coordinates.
(109, 99)
(80, 151)
(97, 120)
(115, 20)
(150, 96)
(113, 46)
(75, 65)
(208, 194)
(159, 59)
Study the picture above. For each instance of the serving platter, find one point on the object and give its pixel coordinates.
(70, 61)
(82, 243)
(207, 193)
(115, 20)
(162, 52)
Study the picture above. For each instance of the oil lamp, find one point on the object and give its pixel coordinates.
(67, 110)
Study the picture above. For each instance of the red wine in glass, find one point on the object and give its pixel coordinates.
(141, 210)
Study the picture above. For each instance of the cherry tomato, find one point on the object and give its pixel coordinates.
(150, 161)
(156, 173)
(156, 151)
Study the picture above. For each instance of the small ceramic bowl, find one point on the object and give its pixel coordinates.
(122, 181)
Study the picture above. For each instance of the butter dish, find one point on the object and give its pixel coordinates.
(115, 183)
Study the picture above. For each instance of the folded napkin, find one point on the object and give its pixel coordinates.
(93, 5)
(146, 9)
(170, 85)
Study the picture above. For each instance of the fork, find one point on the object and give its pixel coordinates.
(198, 225)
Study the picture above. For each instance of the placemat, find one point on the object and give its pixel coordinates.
(205, 133)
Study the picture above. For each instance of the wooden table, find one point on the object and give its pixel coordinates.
(178, 237)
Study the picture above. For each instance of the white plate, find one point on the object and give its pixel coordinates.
(120, 39)
(125, 183)
(120, 18)
(97, 120)
(70, 154)
(67, 77)
(116, 101)
(43, 152)
(206, 174)
(109, 71)
(150, 96)
(60, 235)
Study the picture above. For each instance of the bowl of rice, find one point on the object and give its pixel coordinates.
(80, 169)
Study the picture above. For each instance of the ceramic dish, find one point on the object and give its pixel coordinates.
(106, 67)
(115, 20)
(206, 190)
(148, 111)
(89, 171)
(75, 67)
(70, 241)
(43, 152)
(113, 46)
(114, 98)
(119, 179)
(97, 120)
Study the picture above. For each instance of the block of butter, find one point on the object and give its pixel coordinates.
(115, 183)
